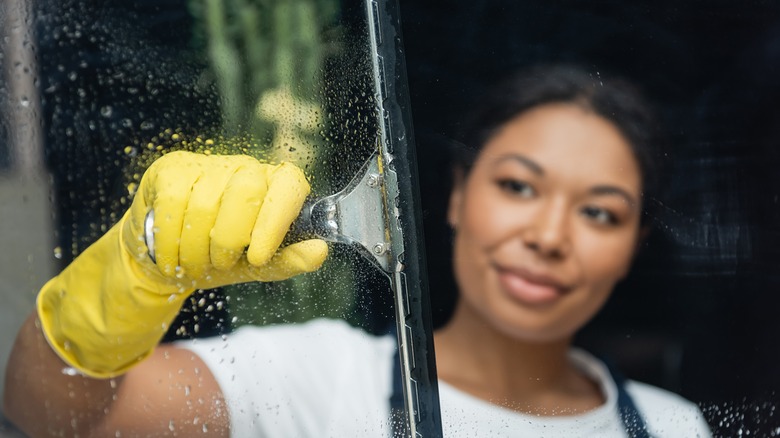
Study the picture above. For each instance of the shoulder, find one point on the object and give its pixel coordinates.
(300, 379)
(666, 413)
(319, 341)
(335, 331)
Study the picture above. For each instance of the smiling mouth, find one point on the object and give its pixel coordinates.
(529, 288)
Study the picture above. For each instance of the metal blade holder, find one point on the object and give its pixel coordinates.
(354, 216)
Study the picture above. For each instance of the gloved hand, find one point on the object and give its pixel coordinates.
(218, 220)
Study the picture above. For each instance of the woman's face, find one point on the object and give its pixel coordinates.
(546, 222)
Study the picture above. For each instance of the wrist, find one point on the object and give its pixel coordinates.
(106, 312)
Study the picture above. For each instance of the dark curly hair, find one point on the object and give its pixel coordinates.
(615, 100)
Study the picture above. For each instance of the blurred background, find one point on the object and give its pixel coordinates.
(698, 314)
(92, 90)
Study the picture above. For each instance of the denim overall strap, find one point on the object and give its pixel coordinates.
(633, 423)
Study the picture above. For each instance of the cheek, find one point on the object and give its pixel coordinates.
(485, 223)
(467, 275)
(485, 218)
(472, 242)
(607, 259)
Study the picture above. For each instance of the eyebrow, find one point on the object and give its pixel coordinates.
(532, 165)
(613, 190)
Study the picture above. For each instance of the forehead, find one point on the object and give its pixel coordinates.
(567, 141)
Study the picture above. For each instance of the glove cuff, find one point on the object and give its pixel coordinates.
(106, 312)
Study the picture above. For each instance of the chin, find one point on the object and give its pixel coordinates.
(534, 329)
(535, 336)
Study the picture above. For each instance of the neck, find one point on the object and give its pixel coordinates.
(477, 358)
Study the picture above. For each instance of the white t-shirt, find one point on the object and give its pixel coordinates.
(327, 379)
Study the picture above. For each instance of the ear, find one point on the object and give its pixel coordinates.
(644, 231)
(456, 198)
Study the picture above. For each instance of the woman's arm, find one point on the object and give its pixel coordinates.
(170, 393)
(219, 220)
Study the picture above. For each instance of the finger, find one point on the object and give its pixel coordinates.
(241, 203)
(170, 194)
(298, 258)
(201, 214)
(287, 190)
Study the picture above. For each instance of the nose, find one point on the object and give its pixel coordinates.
(547, 231)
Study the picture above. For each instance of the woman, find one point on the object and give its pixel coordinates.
(547, 210)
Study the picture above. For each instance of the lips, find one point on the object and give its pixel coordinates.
(530, 288)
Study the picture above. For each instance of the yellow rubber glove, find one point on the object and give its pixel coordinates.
(218, 220)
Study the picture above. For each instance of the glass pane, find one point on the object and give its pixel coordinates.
(117, 85)
(696, 314)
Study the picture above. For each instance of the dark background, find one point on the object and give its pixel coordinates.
(698, 314)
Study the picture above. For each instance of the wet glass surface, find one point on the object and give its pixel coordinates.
(113, 84)
(123, 83)
(117, 84)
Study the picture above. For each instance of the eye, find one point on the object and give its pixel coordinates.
(600, 215)
(516, 187)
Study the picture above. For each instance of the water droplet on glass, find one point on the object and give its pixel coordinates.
(70, 371)
(106, 111)
(132, 188)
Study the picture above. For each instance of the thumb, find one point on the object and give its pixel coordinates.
(292, 260)
(298, 258)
